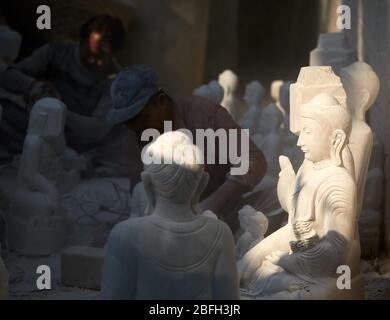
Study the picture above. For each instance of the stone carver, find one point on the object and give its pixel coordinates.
(301, 260)
(175, 253)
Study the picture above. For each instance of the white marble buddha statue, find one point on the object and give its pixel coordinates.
(253, 97)
(362, 86)
(300, 260)
(36, 219)
(175, 253)
(229, 82)
(254, 225)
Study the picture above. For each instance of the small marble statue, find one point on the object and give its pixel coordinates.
(254, 225)
(254, 95)
(301, 260)
(333, 50)
(362, 86)
(212, 91)
(176, 252)
(229, 82)
(36, 219)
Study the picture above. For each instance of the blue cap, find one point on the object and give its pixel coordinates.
(130, 91)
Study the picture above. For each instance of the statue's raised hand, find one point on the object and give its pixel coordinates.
(286, 182)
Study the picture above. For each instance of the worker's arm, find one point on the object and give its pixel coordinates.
(21, 77)
(94, 128)
(249, 168)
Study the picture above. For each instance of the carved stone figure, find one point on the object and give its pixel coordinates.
(254, 94)
(229, 82)
(333, 50)
(362, 86)
(212, 91)
(254, 225)
(301, 259)
(175, 253)
(36, 219)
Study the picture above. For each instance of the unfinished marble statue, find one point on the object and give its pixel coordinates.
(198, 250)
(254, 95)
(36, 219)
(301, 259)
(333, 50)
(362, 86)
(254, 225)
(212, 91)
(229, 82)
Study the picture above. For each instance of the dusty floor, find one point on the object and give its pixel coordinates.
(23, 279)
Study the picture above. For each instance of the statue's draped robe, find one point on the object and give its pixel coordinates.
(323, 221)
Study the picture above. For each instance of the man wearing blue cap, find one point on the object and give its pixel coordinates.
(138, 102)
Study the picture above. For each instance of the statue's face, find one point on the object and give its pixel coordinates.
(314, 141)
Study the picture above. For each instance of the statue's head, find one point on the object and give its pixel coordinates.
(254, 93)
(174, 170)
(203, 91)
(47, 118)
(216, 91)
(325, 128)
(361, 84)
(229, 81)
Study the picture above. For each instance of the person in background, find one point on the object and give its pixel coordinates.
(140, 104)
(78, 73)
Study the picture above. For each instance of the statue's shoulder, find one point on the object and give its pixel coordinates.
(337, 183)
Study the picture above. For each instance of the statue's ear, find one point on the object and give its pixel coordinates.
(338, 143)
(198, 192)
(363, 99)
(149, 189)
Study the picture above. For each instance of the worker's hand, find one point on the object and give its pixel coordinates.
(41, 90)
